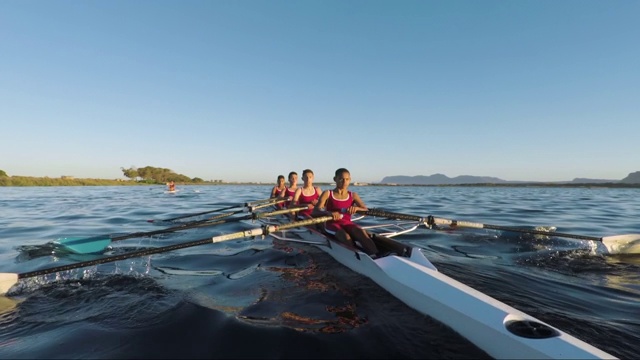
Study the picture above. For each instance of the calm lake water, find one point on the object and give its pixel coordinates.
(256, 299)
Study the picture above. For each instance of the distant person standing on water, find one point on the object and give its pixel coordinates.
(171, 185)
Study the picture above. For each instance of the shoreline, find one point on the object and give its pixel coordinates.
(49, 182)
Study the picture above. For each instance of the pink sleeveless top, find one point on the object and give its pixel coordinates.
(288, 193)
(278, 191)
(307, 199)
(334, 204)
(277, 195)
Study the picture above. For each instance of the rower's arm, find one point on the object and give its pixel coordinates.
(358, 204)
(296, 197)
(320, 210)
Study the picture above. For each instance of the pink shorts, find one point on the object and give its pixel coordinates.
(331, 227)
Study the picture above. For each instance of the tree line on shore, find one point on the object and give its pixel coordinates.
(150, 175)
(147, 175)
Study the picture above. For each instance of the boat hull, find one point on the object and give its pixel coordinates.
(500, 330)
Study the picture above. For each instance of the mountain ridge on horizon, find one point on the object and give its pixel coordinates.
(441, 179)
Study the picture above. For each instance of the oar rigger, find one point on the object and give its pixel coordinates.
(428, 221)
(616, 244)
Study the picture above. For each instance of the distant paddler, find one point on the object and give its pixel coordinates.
(171, 186)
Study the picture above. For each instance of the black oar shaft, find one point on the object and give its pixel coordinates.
(392, 215)
(246, 209)
(260, 215)
(162, 231)
(265, 202)
(201, 223)
(252, 216)
(265, 230)
(189, 225)
(200, 213)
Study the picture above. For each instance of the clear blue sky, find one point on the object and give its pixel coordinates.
(246, 90)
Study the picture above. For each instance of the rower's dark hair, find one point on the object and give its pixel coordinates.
(306, 171)
(293, 173)
(340, 171)
(280, 177)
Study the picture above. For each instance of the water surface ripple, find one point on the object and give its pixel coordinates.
(264, 299)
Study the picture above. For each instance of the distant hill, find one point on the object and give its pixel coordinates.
(440, 179)
(632, 178)
(592, 181)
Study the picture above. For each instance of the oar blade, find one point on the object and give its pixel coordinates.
(622, 244)
(7, 304)
(84, 245)
(7, 280)
(97, 244)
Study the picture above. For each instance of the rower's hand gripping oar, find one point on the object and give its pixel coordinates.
(91, 245)
(7, 280)
(271, 201)
(616, 244)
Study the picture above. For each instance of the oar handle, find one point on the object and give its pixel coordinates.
(258, 215)
(265, 230)
(260, 206)
(270, 201)
(300, 223)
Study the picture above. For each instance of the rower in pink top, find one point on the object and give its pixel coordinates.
(307, 195)
(290, 190)
(278, 188)
(341, 204)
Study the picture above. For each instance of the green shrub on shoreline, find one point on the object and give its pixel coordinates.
(47, 181)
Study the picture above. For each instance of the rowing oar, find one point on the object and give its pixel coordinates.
(616, 244)
(96, 244)
(7, 280)
(271, 201)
